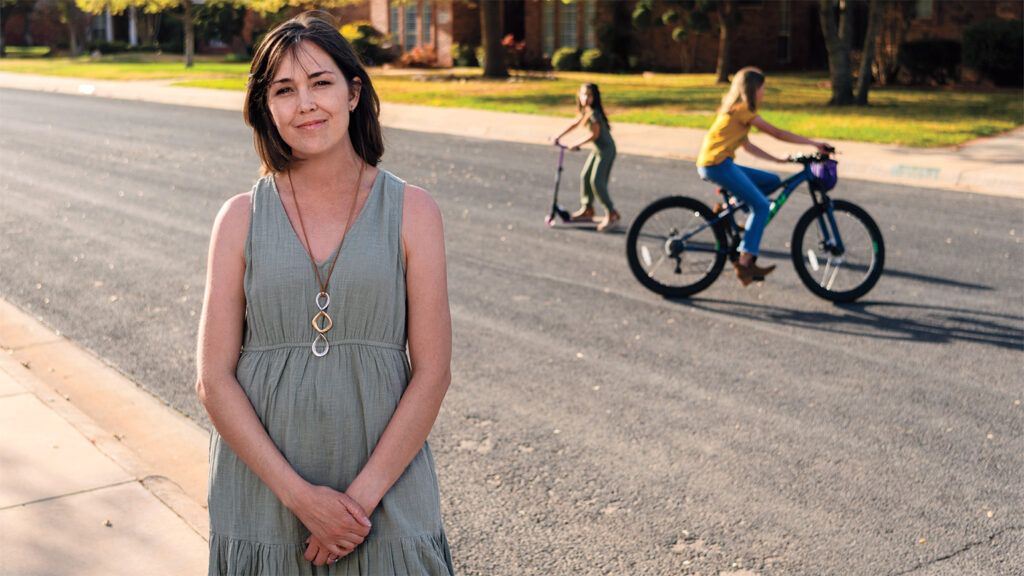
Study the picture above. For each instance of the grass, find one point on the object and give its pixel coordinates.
(906, 116)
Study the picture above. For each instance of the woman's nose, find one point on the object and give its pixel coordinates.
(307, 103)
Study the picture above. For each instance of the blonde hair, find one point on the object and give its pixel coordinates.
(745, 84)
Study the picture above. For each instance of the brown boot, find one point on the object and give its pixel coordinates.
(584, 214)
(751, 272)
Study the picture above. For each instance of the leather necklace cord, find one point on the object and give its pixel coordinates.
(348, 224)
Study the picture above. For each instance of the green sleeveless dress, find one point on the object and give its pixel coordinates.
(324, 414)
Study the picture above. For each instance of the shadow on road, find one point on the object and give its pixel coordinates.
(884, 320)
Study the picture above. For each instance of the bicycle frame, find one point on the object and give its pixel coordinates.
(831, 237)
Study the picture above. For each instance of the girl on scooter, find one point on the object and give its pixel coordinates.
(598, 167)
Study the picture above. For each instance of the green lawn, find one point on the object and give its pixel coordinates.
(911, 117)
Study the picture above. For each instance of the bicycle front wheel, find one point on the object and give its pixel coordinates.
(840, 256)
(673, 249)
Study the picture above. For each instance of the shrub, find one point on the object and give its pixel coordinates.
(936, 60)
(104, 47)
(370, 44)
(566, 59)
(419, 57)
(464, 55)
(994, 48)
(594, 60)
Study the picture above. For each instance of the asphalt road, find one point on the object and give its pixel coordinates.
(592, 427)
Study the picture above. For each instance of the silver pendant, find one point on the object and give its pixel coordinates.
(322, 324)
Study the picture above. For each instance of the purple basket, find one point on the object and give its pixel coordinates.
(825, 176)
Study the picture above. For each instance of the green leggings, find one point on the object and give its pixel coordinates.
(594, 177)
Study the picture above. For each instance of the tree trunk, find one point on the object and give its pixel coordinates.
(133, 26)
(490, 29)
(73, 46)
(875, 10)
(190, 33)
(727, 24)
(837, 41)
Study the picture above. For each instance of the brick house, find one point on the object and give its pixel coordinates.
(772, 34)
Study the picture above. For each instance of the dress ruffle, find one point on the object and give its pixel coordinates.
(413, 556)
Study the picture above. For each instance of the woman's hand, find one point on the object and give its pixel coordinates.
(318, 554)
(338, 522)
(824, 147)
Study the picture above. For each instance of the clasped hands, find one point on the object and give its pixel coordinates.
(338, 524)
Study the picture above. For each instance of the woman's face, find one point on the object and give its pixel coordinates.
(310, 101)
(760, 95)
(586, 98)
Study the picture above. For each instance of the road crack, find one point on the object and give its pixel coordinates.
(959, 551)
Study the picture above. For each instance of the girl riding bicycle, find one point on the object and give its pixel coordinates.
(736, 115)
(598, 167)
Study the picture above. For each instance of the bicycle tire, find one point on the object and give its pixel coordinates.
(700, 212)
(801, 263)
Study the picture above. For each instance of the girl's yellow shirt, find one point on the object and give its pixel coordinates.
(726, 135)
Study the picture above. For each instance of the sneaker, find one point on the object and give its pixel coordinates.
(609, 222)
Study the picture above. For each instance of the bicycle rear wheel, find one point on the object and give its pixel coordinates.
(673, 249)
(839, 275)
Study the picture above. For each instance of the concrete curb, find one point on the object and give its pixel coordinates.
(993, 166)
(151, 441)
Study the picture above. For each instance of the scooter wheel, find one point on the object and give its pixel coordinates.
(549, 220)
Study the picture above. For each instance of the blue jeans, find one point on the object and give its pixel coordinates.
(749, 185)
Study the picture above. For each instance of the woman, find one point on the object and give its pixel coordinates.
(736, 115)
(320, 275)
(598, 167)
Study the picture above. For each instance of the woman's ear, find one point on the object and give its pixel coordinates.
(355, 90)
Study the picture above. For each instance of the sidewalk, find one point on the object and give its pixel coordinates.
(74, 497)
(989, 166)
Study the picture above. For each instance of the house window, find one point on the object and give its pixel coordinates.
(924, 9)
(409, 40)
(589, 24)
(567, 25)
(394, 23)
(548, 27)
(785, 26)
(428, 25)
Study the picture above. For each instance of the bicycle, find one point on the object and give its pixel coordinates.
(677, 246)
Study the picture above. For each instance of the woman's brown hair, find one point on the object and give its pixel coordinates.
(315, 26)
(743, 89)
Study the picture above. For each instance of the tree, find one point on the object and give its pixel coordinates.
(837, 25)
(490, 29)
(875, 11)
(692, 18)
(728, 21)
(838, 31)
(9, 8)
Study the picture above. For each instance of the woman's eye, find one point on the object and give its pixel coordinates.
(282, 91)
(323, 83)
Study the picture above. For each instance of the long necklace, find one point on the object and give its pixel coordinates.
(322, 322)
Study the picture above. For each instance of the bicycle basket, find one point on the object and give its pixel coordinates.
(825, 176)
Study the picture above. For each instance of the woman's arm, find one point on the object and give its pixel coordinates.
(327, 513)
(430, 350)
(755, 151)
(784, 135)
(575, 123)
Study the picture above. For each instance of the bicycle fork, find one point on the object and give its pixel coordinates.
(832, 243)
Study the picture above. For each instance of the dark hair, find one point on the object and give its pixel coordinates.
(315, 26)
(595, 104)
